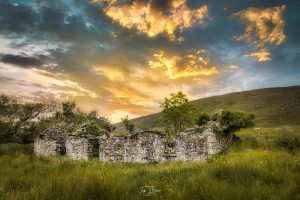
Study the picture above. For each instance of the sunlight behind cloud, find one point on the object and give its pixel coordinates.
(152, 20)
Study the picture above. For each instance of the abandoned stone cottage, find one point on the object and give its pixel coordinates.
(194, 144)
(51, 142)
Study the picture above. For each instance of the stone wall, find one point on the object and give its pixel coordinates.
(80, 147)
(51, 142)
(195, 144)
(112, 149)
(48, 147)
(144, 147)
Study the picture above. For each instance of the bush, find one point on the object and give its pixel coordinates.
(227, 122)
(288, 140)
(203, 119)
(89, 128)
(130, 127)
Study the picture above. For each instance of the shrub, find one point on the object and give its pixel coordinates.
(227, 122)
(89, 128)
(130, 127)
(288, 140)
(203, 118)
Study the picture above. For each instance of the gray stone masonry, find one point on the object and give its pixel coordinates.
(142, 147)
(51, 142)
(196, 144)
(82, 147)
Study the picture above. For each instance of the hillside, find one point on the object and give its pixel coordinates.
(273, 107)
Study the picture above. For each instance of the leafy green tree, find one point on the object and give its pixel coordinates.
(178, 112)
(21, 122)
(229, 122)
(103, 122)
(69, 109)
(73, 117)
(18, 119)
(130, 127)
(202, 119)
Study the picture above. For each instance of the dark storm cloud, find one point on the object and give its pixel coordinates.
(21, 61)
(17, 19)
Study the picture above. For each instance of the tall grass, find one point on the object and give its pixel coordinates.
(245, 171)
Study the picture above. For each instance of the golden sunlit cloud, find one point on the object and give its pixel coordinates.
(263, 27)
(193, 64)
(153, 20)
(138, 89)
(262, 55)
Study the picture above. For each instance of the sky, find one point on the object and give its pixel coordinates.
(122, 57)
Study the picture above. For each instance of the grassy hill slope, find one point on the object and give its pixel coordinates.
(272, 106)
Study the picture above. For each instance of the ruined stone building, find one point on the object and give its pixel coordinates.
(141, 147)
(51, 142)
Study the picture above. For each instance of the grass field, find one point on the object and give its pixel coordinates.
(262, 167)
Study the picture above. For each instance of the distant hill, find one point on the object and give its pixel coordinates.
(272, 106)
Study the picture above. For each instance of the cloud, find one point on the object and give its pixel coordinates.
(264, 27)
(234, 68)
(31, 81)
(22, 61)
(156, 16)
(262, 55)
(106, 67)
(191, 65)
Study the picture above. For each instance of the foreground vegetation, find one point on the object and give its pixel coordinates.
(261, 167)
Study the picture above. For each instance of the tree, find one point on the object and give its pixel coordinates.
(203, 118)
(130, 127)
(103, 122)
(18, 118)
(69, 109)
(21, 122)
(73, 117)
(178, 112)
(229, 122)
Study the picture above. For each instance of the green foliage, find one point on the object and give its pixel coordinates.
(74, 118)
(228, 122)
(22, 122)
(89, 128)
(69, 109)
(288, 140)
(285, 138)
(130, 127)
(202, 119)
(178, 112)
(169, 135)
(103, 122)
(18, 121)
